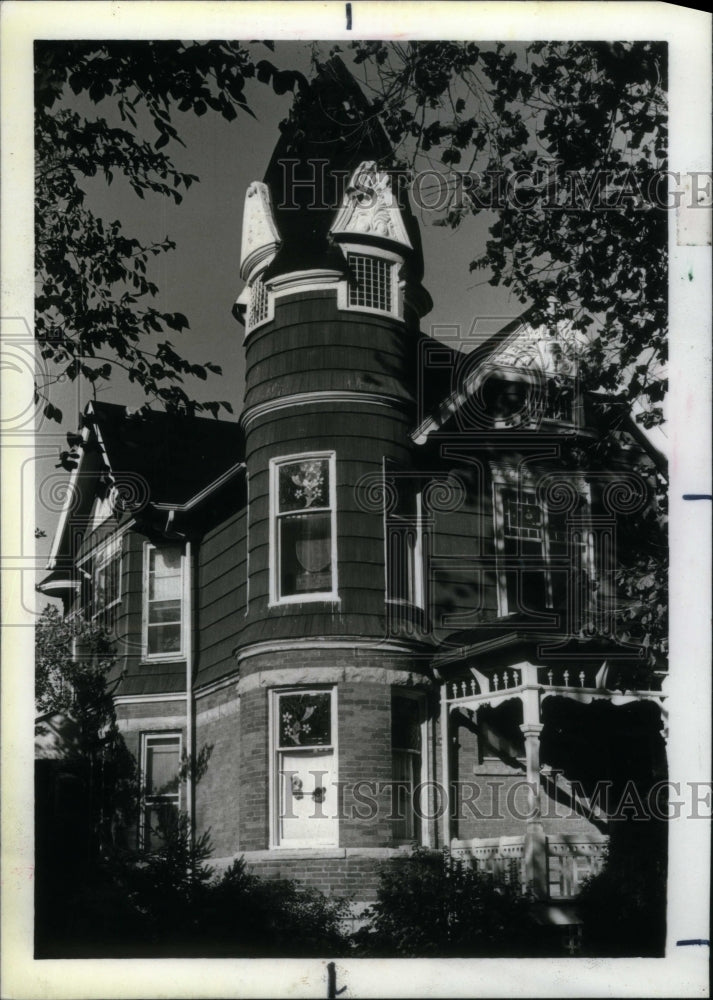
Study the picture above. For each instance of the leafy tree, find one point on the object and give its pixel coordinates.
(563, 145)
(431, 904)
(74, 661)
(93, 307)
(565, 142)
(530, 133)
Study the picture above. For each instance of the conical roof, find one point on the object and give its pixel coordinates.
(331, 130)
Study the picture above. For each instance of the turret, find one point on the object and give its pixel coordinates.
(332, 262)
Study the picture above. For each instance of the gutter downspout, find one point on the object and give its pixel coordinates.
(189, 689)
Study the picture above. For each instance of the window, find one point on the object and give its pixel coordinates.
(404, 542)
(102, 585)
(164, 601)
(371, 284)
(160, 764)
(558, 403)
(406, 739)
(526, 399)
(303, 558)
(305, 776)
(541, 559)
(259, 306)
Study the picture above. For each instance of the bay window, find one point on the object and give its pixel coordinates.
(303, 559)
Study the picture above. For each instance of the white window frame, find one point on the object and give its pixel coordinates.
(397, 285)
(146, 739)
(270, 302)
(416, 583)
(104, 555)
(276, 843)
(179, 654)
(91, 564)
(424, 783)
(276, 598)
(502, 481)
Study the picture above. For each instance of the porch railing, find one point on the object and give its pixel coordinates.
(570, 860)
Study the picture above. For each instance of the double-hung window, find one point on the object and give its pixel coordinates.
(305, 773)
(165, 601)
(160, 760)
(541, 559)
(303, 555)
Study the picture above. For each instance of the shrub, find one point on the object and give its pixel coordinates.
(170, 903)
(254, 917)
(431, 904)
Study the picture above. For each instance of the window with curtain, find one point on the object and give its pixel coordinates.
(305, 777)
(303, 549)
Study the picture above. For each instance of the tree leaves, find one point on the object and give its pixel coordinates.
(94, 294)
(575, 119)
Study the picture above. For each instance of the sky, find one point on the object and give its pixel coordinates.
(200, 278)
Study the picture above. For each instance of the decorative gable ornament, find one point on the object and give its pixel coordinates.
(369, 208)
(261, 239)
(538, 349)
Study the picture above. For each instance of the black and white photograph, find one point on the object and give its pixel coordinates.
(356, 498)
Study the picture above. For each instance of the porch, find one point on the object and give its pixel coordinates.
(553, 863)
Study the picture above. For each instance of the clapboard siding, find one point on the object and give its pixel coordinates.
(313, 346)
(221, 594)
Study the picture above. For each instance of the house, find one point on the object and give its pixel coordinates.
(384, 598)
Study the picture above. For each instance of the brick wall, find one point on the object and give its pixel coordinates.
(364, 763)
(354, 876)
(136, 719)
(217, 793)
(254, 772)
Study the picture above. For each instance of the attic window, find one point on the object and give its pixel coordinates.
(371, 287)
(259, 308)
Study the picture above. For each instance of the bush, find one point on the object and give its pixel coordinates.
(170, 903)
(430, 904)
(254, 917)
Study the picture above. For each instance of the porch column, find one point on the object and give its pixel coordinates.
(446, 767)
(535, 846)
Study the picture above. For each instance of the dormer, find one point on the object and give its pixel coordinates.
(260, 243)
(328, 217)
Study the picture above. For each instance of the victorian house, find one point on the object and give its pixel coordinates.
(383, 598)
